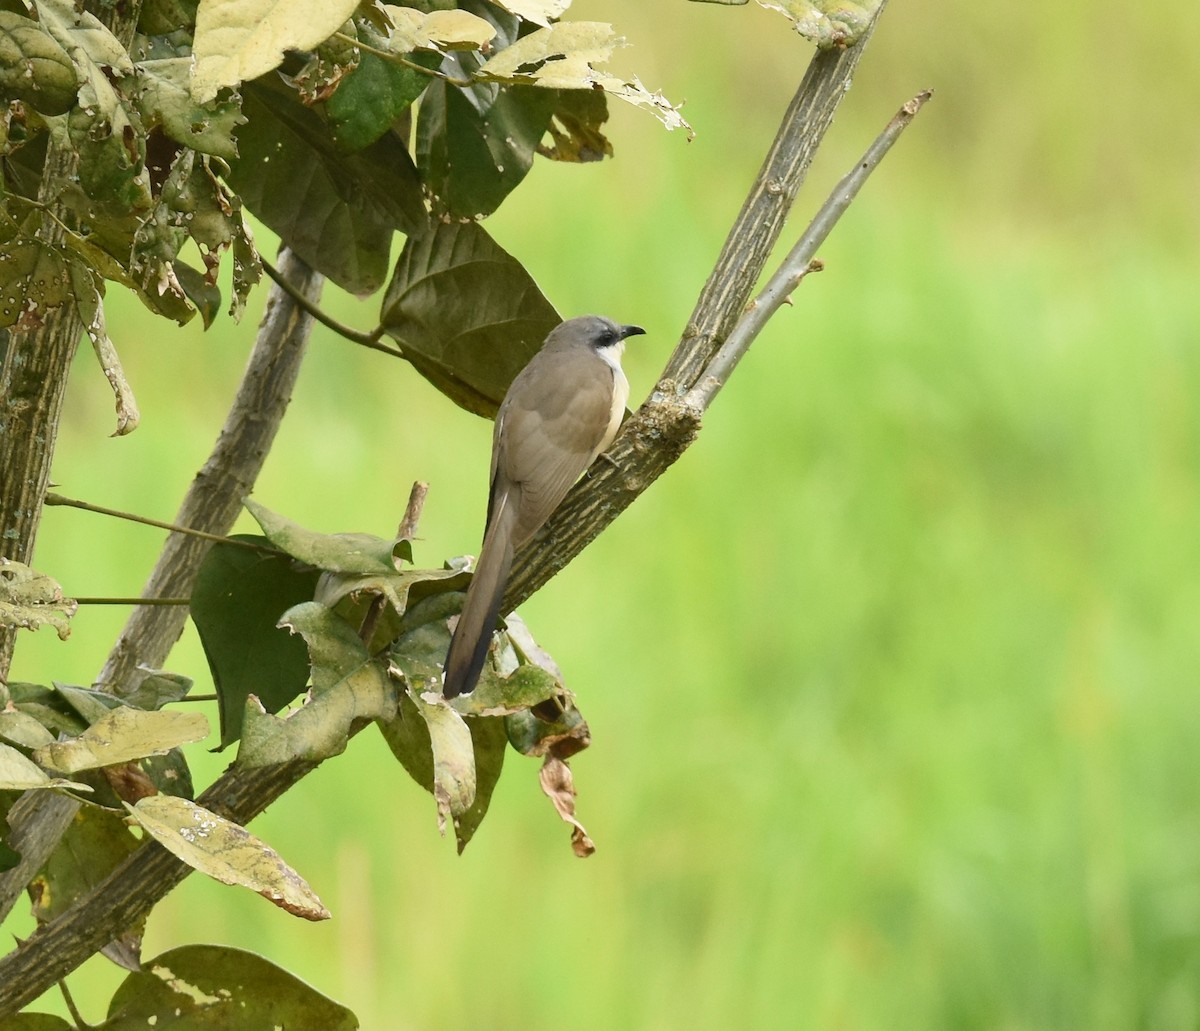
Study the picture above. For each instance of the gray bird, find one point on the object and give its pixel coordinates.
(561, 411)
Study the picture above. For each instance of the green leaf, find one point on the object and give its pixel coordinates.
(35, 1022)
(122, 735)
(342, 553)
(466, 313)
(35, 282)
(827, 23)
(158, 688)
(160, 88)
(237, 601)
(199, 987)
(476, 144)
(338, 212)
(226, 852)
(370, 99)
(348, 686)
(84, 37)
(239, 40)
(95, 843)
(34, 68)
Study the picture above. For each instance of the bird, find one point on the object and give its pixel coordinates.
(561, 411)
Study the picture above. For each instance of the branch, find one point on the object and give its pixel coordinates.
(128, 894)
(801, 260)
(648, 444)
(215, 497)
(669, 420)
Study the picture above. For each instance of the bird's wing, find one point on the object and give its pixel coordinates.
(546, 450)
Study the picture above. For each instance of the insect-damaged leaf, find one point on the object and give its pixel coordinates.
(215, 986)
(476, 143)
(466, 313)
(827, 23)
(337, 553)
(336, 211)
(237, 40)
(225, 851)
(34, 68)
(29, 599)
(348, 686)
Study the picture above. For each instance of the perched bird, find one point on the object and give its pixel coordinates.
(561, 411)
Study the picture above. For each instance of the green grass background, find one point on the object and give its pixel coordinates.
(892, 678)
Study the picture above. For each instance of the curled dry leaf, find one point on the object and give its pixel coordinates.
(227, 852)
(559, 786)
(29, 599)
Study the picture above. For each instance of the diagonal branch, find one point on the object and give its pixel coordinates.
(649, 443)
(215, 497)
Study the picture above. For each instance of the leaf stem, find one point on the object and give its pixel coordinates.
(356, 336)
(58, 499)
(400, 59)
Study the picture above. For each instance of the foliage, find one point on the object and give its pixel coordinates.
(338, 126)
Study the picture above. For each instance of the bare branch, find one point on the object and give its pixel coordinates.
(801, 260)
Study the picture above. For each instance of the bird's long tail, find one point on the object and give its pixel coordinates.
(473, 635)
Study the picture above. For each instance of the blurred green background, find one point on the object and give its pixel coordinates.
(892, 678)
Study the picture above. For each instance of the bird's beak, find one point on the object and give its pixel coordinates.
(631, 331)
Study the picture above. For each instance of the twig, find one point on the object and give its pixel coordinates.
(136, 601)
(400, 59)
(412, 511)
(58, 499)
(800, 260)
(371, 339)
(80, 1023)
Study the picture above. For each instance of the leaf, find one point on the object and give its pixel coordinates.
(96, 842)
(564, 56)
(83, 36)
(453, 758)
(161, 89)
(87, 286)
(559, 786)
(158, 688)
(476, 144)
(577, 135)
(29, 599)
(554, 729)
(34, 68)
(437, 30)
(343, 553)
(370, 99)
(338, 212)
(540, 12)
(225, 851)
(238, 40)
(124, 734)
(34, 283)
(36, 1022)
(21, 729)
(466, 313)
(195, 987)
(348, 686)
(19, 774)
(827, 23)
(237, 601)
